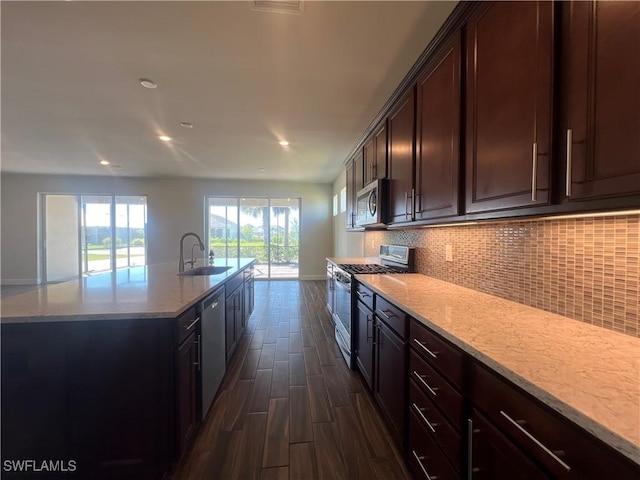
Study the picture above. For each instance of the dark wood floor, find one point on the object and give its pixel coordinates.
(289, 408)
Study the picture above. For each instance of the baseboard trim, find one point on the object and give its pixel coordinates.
(19, 281)
(313, 277)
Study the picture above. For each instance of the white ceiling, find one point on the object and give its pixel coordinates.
(244, 78)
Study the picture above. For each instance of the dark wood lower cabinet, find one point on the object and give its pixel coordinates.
(390, 383)
(426, 459)
(494, 457)
(364, 349)
(453, 417)
(98, 393)
(187, 361)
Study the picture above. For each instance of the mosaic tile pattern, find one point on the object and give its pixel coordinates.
(583, 268)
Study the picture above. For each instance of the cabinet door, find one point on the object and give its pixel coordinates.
(230, 324)
(187, 373)
(493, 457)
(438, 135)
(401, 159)
(509, 86)
(358, 172)
(350, 207)
(364, 346)
(390, 379)
(239, 319)
(601, 54)
(369, 160)
(380, 158)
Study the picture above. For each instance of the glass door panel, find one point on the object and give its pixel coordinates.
(131, 214)
(254, 225)
(223, 227)
(284, 235)
(97, 233)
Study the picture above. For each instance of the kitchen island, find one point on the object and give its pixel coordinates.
(103, 372)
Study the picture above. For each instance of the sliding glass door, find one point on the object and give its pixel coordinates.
(266, 229)
(87, 234)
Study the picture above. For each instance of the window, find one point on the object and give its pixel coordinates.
(267, 229)
(86, 234)
(335, 205)
(343, 200)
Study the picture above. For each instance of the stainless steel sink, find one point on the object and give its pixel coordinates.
(207, 270)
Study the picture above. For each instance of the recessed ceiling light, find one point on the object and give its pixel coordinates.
(105, 162)
(186, 125)
(284, 143)
(146, 83)
(262, 169)
(164, 138)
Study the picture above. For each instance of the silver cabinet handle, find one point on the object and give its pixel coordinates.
(569, 160)
(214, 305)
(536, 441)
(413, 202)
(419, 377)
(424, 470)
(406, 210)
(534, 173)
(425, 348)
(199, 357)
(190, 326)
(369, 337)
(470, 449)
(385, 313)
(362, 295)
(419, 412)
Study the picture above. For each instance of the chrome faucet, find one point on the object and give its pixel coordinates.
(193, 260)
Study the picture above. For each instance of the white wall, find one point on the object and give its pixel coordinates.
(345, 243)
(175, 206)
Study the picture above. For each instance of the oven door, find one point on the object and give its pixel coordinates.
(342, 314)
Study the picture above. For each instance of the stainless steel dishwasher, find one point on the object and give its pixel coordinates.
(213, 364)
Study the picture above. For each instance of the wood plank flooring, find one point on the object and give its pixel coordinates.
(288, 407)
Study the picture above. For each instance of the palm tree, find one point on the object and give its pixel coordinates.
(277, 211)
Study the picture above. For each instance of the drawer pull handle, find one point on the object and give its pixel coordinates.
(419, 377)
(419, 412)
(470, 449)
(361, 294)
(386, 313)
(214, 304)
(190, 326)
(424, 470)
(198, 361)
(434, 355)
(536, 441)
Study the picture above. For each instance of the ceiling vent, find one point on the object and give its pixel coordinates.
(279, 6)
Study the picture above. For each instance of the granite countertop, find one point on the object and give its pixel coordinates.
(151, 291)
(588, 374)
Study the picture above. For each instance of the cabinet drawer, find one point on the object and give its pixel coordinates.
(441, 393)
(435, 424)
(426, 459)
(364, 295)
(561, 447)
(440, 353)
(186, 324)
(392, 316)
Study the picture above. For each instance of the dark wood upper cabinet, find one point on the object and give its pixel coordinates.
(509, 100)
(438, 135)
(354, 180)
(601, 99)
(375, 155)
(401, 159)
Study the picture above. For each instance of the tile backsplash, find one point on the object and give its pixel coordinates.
(583, 268)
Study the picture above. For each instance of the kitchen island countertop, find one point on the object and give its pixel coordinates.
(150, 291)
(589, 374)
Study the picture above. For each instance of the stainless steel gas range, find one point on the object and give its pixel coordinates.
(392, 259)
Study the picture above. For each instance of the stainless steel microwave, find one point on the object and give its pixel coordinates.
(371, 205)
